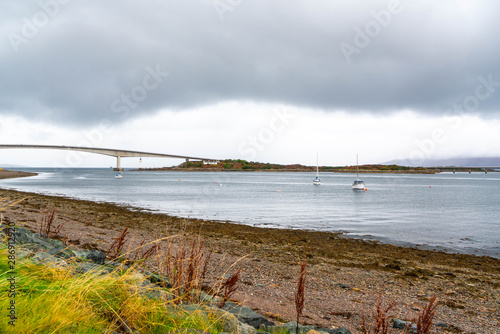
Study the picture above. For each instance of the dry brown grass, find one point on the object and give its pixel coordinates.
(300, 294)
(229, 287)
(141, 253)
(381, 318)
(426, 317)
(116, 248)
(184, 263)
(47, 227)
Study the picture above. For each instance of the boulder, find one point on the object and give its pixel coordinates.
(96, 256)
(47, 259)
(290, 327)
(313, 331)
(62, 252)
(55, 243)
(401, 324)
(247, 315)
(340, 330)
(30, 240)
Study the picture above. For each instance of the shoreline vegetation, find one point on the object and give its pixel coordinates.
(346, 277)
(231, 165)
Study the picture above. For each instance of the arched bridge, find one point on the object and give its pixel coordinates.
(105, 151)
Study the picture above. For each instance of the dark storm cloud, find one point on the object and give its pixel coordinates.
(82, 61)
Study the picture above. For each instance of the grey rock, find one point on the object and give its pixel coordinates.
(157, 279)
(149, 290)
(55, 243)
(118, 265)
(343, 286)
(81, 254)
(62, 252)
(229, 322)
(96, 256)
(340, 330)
(442, 324)
(30, 240)
(22, 253)
(290, 328)
(246, 329)
(86, 267)
(46, 258)
(205, 297)
(247, 315)
(400, 324)
(93, 255)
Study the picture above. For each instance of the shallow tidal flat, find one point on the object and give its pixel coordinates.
(346, 276)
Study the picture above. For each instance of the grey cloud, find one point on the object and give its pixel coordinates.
(92, 52)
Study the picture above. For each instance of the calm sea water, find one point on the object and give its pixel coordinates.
(458, 212)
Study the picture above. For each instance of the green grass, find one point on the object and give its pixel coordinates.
(52, 300)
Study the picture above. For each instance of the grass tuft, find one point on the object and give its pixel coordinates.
(55, 300)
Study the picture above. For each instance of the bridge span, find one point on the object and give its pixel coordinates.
(105, 151)
(464, 169)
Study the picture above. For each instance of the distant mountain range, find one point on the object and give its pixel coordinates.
(456, 162)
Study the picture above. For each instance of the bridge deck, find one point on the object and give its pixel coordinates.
(104, 151)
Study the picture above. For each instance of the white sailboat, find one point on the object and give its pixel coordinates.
(316, 180)
(119, 176)
(358, 184)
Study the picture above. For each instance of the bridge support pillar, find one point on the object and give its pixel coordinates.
(118, 164)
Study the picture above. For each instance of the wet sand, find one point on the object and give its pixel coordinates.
(346, 276)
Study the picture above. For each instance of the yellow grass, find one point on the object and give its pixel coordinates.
(53, 300)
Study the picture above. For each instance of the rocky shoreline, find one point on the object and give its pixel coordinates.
(346, 276)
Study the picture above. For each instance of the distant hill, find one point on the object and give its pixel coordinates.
(243, 165)
(456, 162)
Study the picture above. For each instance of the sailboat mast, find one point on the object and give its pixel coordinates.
(317, 165)
(357, 166)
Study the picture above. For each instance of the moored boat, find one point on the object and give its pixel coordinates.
(358, 184)
(316, 180)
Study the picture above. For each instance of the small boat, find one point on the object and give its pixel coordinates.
(316, 180)
(358, 184)
(119, 176)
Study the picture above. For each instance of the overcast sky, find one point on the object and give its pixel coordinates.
(274, 81)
